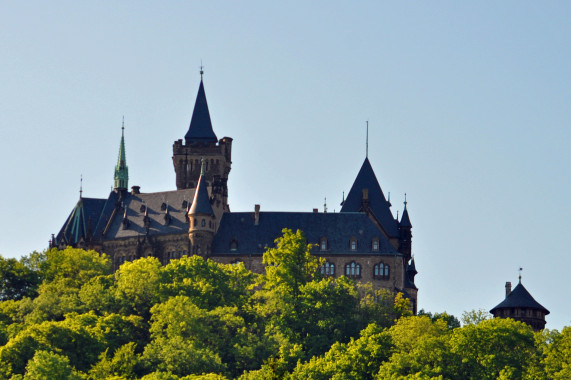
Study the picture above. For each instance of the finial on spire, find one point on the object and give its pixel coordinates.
(520, 269)
(367, 141)
(397, 215)
(81, 186)
(405, 202)
(325, 205)
(201, 69)
(123, 126)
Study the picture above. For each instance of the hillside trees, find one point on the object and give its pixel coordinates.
(197, 319)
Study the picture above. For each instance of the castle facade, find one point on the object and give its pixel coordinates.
(363, 241)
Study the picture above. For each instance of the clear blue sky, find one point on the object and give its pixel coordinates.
(468, 107)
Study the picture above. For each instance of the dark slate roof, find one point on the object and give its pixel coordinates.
(200, 129)
(520, 298)
(366, 179)
(201, 201)
(338, 228)
(83, 217)
(405, 220)
(155, 205)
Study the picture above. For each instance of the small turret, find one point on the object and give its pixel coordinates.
(202, 221)
(405, 234)
(121, 182)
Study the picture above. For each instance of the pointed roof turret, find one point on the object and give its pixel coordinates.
(405, 220)
(200, 129)
(377, 203)
(121, 170)
(201, 201)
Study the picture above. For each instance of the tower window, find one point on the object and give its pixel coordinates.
(353, 270)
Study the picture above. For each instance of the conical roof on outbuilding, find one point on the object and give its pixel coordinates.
(520, 298)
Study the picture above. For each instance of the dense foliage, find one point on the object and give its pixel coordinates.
(64, 314)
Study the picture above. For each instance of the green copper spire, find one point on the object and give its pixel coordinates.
(121, 170)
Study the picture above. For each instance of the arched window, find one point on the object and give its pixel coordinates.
(353, 270)
(203, 222)
(375, 244)
(323, 244)
(353, 244)
(327, 269)
(381, 271)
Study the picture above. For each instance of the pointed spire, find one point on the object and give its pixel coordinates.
(405, 220)
(201, 201)
(200, 129)
(121, 170)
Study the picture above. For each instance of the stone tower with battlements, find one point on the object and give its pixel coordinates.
(200, 143)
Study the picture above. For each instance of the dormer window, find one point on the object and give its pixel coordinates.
(375, 244)
(353, 244)
(323, 244)
(233, 246)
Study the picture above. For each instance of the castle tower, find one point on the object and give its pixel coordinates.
(202, 221)
(521, 306)
(200, 142)
(121, 181)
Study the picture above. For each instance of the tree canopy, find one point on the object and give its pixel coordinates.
(65, 315)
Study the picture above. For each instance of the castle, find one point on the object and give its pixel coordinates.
(363, 241)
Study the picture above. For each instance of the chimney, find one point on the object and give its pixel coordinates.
(508, 288)
(256, 215)
(315, 211)
(365, 195)
(135, 190)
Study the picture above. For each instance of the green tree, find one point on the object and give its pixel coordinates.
(493, 346)
(74, 266)
(451, 321)
(557, 359)
(207, 283)
(358, 359)
(138, 284)
(328, 313)
(290, 265)
(420, 350)
(47, 365)
(473, 317)
(17, 280)
(123, 363)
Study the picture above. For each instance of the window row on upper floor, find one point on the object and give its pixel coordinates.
(381, 271)
(352, 246)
